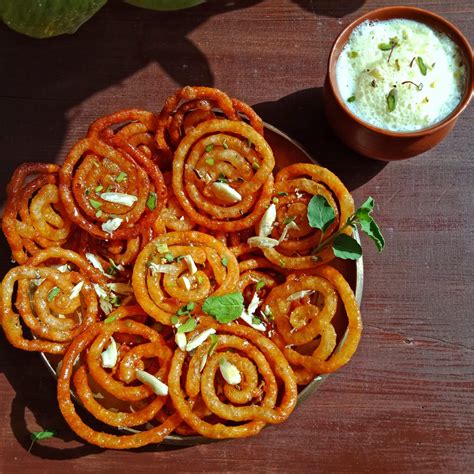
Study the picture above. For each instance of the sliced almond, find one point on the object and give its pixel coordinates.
(120, 198)
(158, 387)
(111, 225)
(196, 341)
(156, 268)
(225, 192)
(120, 288)
(229, 371)
(181, 341)
(299, 294)
(76, 290)
(110, 355)
(268, 219)
(186, 282)
(190, 263)
(262, 242)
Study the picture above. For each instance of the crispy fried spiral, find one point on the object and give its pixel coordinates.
(113, 395)
(295, 185)
(301, 319)
(34, 218)
(94, 170)
(200, 105)
(217, 154)
(266, 394)
(47, 306)
(161, 269)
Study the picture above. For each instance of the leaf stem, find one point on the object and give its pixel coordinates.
(327, 241)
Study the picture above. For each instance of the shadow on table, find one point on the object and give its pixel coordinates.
(36, 393)
(301, 116)
(336, 9)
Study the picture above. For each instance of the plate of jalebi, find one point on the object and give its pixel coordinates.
(177, 273)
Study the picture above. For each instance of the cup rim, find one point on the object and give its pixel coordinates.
(449, 28)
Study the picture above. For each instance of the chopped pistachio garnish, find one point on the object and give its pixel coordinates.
(53, 293)
(151, 201)
(351, 98)
(421, 65)
(121, 176)
(209, 147)
(392, 100)
(95, 204)
(210, 161)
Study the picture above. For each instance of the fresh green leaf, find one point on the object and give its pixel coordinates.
(174, 320)
(121, 176)
(346, 247)
(260, 284)
(392, 100)
(188, 326)
(225, 308)
(421, 65)
(225, 261)
(43, 19)
(53, 293)
(151, 201)
(371, 228)
(39, 435)
(164, 5)
(363, 213)
(320, 213)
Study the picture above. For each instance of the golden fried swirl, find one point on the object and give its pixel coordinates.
(109, 387)
(303, 309)
(55, 306)
(182, 267)
(295, 185)
(109, 193)
(200, 104)
(34, 217)
(222, 175)
(264, 391)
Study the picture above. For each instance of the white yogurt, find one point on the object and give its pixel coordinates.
(400, 75)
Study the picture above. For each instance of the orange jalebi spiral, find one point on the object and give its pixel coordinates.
(164, 278)
(266, 393)
(223, 154)
(172, 216)
(34, 218)
(55, 306)
(111, 394)
(201, 103)
(295, 185)
(94, 174)
(301, 319)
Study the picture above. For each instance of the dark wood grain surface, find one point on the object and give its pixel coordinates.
(406, 400)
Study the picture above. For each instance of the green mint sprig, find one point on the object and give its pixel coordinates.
(344, 246)
(39, 435)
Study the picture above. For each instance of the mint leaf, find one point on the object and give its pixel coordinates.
(373, 231)
(346, 247)
(187, 308)
(320, 213)
(225, 308)
(39, 435)
(363, 213)
(188, 326)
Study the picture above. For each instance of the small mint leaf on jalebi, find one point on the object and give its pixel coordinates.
(225, 308)
(188, 326)
(373, 231)
(174, 320)
(346, 247)
(320, 213)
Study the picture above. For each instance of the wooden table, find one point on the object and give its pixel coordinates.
(405, 402)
